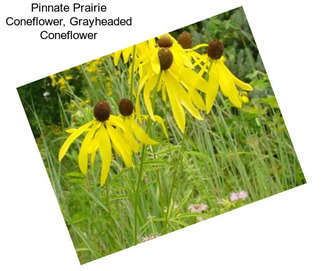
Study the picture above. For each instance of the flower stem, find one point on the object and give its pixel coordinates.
(137, 187)
(178, 165)
(132, 75)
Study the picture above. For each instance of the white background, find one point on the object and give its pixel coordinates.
(283, 232)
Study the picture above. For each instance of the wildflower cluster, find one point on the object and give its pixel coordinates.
(166, 69)
(107, 131)
(241, 195)
(60, 81)
(197, 208)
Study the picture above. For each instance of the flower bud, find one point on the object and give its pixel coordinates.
(215, 49)
(165, 58)
(185, 40)
(165, 41)
(244, 96)
(125, 107)
(102, 111)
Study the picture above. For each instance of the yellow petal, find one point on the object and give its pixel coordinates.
(196, 99)
(213, 87)
(191, 81)
(93, 147)
(71, 139)
(126, 53)
(140, 133)
(93, 154)
(228, 87)
(148, 88)
(198, 47)
(116, 57)
(161, 122)
(84, 151)
(244, 99)
(105, 153)
(183, 97)
(117, 121)
(237, 81)
(177, 109)
(129, 137)
(140, 87)
(70, 131)
(120, 146)
(155, 63)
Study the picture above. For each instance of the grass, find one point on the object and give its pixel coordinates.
(231, 150)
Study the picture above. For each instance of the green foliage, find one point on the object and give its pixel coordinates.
(232, 150)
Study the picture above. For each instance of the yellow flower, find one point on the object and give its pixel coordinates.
(125, 54)
(220, 76)
(167, 68)
(132, 128)
(62, 84)
(139, 49)
(185, 40)
(103, 133)
(53, 80)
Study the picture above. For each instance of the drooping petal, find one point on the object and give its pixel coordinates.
(177, 109)
(105, 153)
(241, 84)
(140, 133)
(213, 88)
(237, 81)
(161, 122)
(121, 146)
(93, 154)
(93, 147)
(228, 87)
(129, 137)
(183, 97)
(155, 65)
(148, 88)
(142, 82)
(84, 150)
(117, 121)
(116, 57)
(126, 53)
(71, 139)
(191, 81)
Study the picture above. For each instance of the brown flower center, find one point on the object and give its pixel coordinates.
(102, 111)
(215, 49)
(185, 40)
(165, 58)
(125, 107)
(165, 41)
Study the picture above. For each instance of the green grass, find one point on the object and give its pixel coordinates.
(231, 150)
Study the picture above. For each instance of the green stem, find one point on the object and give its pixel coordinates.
(137, 187)
(132, 75)
(174, 181)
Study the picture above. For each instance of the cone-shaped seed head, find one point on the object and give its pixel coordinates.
(165, 58)
(165, 41)
(102, 111)
(215, 49)
(185, 40)
(125, 107)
